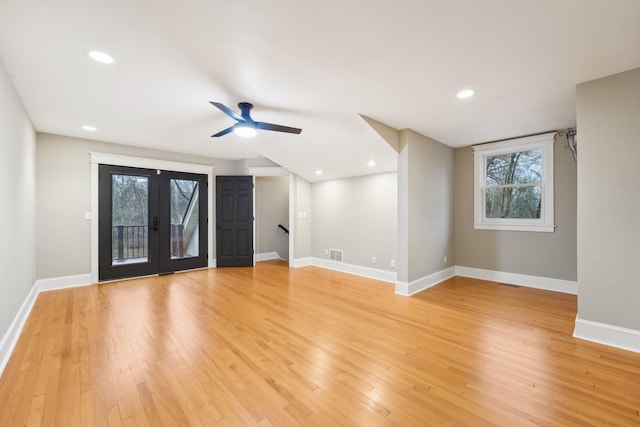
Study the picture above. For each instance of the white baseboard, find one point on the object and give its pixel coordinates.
(372, 273)
(63, 282)
(546, 283)
(301, 262)
(602, 333)
(267, 256)
(10, 338)
(415, 286)
(212, 263)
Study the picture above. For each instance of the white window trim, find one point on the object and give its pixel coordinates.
(480, 153)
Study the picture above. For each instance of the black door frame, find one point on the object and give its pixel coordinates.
(158, 232)
(97, 158)
(151, 266)
(166, 264)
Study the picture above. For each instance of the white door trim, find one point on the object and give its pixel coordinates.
(97, 159)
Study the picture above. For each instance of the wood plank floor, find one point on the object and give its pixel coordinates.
(273, 346)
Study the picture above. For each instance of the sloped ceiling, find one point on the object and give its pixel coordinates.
(314, 65)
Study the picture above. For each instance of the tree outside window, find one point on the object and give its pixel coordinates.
(514, 184)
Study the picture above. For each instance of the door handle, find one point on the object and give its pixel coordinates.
(155, 223)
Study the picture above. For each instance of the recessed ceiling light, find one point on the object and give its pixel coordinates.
(245, 130)
(103, 58)
(465, 93)
(89, 128)
(371, 163)
(318, 172)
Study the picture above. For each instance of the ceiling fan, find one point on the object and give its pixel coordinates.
(246, 126)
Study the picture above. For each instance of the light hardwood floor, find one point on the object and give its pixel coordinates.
(285, 347)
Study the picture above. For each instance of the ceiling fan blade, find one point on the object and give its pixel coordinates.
(224, 132)
(277, 128)
(228, 111)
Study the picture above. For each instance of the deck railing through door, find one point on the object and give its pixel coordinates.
(130, 242)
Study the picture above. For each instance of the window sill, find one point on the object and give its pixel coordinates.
(516, 227)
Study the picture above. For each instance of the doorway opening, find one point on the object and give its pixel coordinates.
(277, 171)
(272, 218)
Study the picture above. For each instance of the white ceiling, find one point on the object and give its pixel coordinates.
(317, 65)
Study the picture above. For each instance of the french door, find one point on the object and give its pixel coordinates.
(151, 221)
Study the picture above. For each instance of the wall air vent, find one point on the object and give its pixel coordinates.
(335, 254)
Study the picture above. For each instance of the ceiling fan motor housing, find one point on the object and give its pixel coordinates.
(245, 110)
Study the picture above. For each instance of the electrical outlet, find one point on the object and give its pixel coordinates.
(326, 252)
(373, 260)
(445, 259)
(393, 263)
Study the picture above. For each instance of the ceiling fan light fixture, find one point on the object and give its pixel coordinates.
(465, 93)
(245, 130)
(102, 57)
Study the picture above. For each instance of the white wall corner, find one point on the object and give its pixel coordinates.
(611, 335)
(63, 282)
(267, 256)
(371, 273)
(418, 285)
(546, 283)
(10, 338)
(301, 262)
(212, 263)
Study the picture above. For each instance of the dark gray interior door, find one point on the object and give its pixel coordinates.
(234, 221)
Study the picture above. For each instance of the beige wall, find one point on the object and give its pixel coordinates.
(608, 114)
(550, 255)
(245, 164)
(303, 218)
(272, 208)
(425, 206)
(17, 207)
(357, 215)
(63, 196)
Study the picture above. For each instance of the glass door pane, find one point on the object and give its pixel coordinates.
(129, 219)
(150, 221)
(128, 222)
(185, 218)
(183, 221)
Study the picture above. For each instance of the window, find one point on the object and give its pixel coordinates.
(514, 184)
